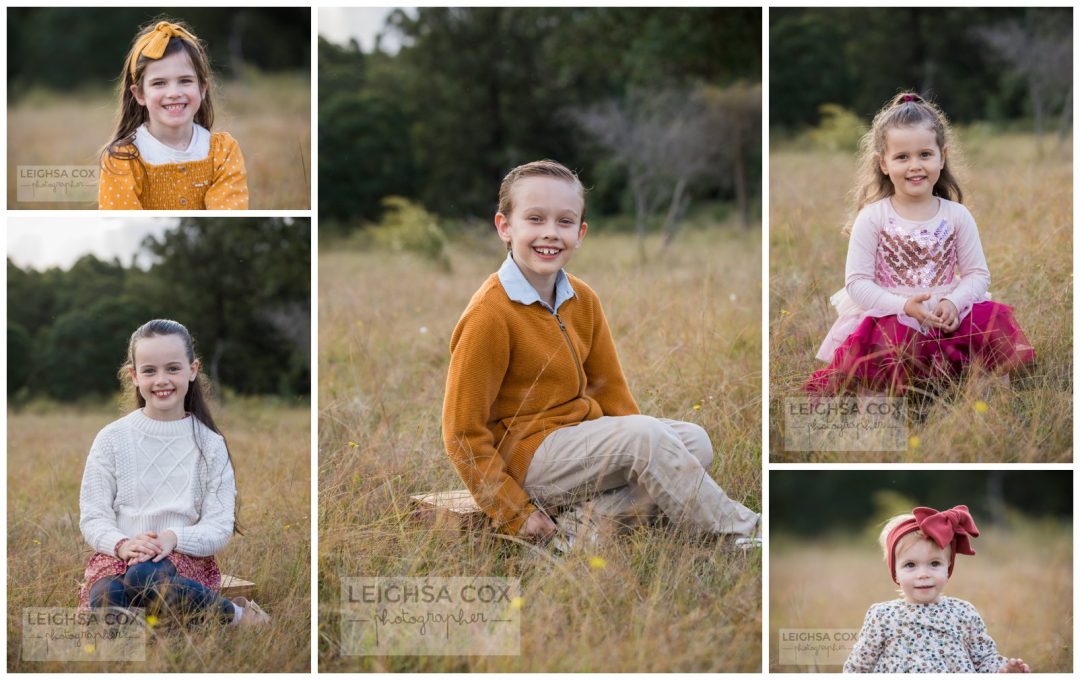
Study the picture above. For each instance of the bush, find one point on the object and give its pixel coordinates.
(408, 227)
(839, 129)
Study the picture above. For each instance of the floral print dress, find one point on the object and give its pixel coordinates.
(947, 636)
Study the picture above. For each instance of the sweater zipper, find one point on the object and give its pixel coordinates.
(577, 360)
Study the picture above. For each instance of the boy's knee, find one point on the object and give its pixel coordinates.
(698, 443)
(640, 426)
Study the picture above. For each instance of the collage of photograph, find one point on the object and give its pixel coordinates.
(529, 339)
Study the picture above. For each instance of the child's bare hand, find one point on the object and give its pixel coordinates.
(167, 543)
(1015, 666)
(914, 308)
(538, 527)
(138, 550)
(947, 316)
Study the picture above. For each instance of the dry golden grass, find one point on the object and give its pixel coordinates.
(687, 327)
(269, 115)
(1020, 581)
(270, 445)
(1023, 206)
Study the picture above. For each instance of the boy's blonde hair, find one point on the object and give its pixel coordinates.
(907, 539)
(541, 168)
(906, 109)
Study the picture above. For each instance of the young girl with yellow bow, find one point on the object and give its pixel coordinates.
(162, 155)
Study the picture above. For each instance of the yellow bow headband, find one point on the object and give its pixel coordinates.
(153, 44)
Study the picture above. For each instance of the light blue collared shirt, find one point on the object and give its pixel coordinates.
(519, 289)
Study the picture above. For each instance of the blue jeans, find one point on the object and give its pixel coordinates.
(156, 585)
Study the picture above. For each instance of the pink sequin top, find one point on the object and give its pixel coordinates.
(891, 258)
(922, 258)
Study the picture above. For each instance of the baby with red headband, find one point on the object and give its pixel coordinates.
(925, 631)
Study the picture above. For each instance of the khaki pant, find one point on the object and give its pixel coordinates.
(630, 466)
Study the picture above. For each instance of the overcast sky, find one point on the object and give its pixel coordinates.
(43, 242)
(338, 24)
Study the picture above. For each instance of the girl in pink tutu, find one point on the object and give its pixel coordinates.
(915, 305)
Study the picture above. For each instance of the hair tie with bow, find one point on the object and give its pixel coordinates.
(153, 44)
(949, 527)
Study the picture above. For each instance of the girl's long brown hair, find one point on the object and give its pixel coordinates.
(132, 114)
(906, 109)
(195, 402)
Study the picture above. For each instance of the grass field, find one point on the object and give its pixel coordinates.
(46, 553)
(687, 327)
(269, 115)
(1021, 582)
(1023, 205)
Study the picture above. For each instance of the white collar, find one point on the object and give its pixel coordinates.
(519, 289)
(152, 151)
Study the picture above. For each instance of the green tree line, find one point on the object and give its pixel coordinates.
(990, 63)
(241, 286)
(811, 503)
(61, 48)
(473, 92)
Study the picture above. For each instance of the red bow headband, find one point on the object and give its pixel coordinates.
(944, 528)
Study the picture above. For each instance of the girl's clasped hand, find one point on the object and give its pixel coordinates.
(147, 546)
(945, 317)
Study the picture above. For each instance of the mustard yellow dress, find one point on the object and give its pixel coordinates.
(216, 182)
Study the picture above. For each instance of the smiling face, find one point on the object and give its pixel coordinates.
(163, 374)
(543, 228)
(171, 93)
(913, 162)
(922, 569)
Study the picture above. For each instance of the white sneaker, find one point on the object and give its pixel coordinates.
(749, 542)
(575, 523)
(754, 540)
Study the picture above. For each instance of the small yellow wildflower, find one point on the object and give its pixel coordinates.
(89, 648)
(354, 445)
(913, 442)
(597, 562)
(287, 526)
(517, 602)
(697, 407)
(981, 406)
(151, 620)
(37, 542)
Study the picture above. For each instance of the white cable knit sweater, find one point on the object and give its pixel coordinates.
(148, 475)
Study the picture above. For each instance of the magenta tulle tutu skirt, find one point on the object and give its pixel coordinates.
(884, 355)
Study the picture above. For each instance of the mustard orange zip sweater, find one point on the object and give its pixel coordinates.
(517, 374)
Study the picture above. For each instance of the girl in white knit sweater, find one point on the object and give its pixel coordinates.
(158, 492)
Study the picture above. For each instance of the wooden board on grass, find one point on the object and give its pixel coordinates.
(232, 587)
(453, 510)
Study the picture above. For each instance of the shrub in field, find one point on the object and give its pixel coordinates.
(839, 129)
(408, 227)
